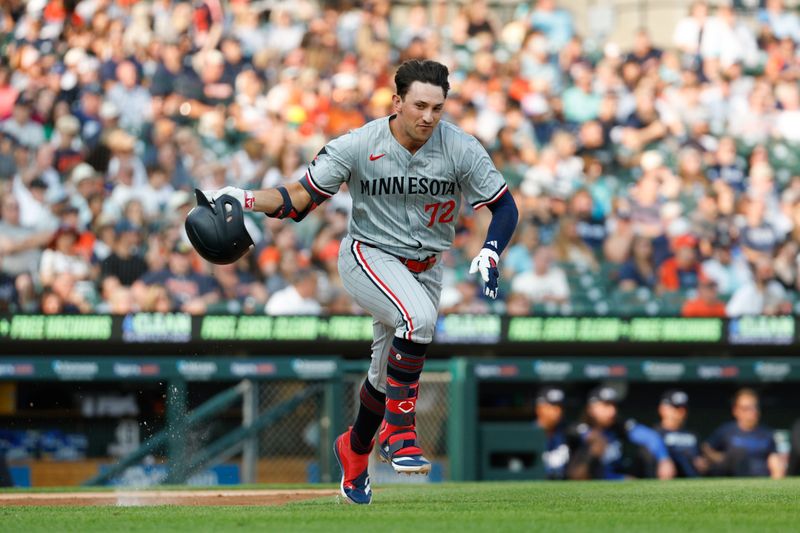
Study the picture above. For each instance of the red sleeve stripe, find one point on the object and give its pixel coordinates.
(315, 186)
(493, 199)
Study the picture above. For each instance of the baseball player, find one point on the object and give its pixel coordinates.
(681, 443)
(550, 418)
(743, 446)
(604, 447)
(406, 174)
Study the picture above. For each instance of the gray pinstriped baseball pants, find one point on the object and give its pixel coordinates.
(402, 304)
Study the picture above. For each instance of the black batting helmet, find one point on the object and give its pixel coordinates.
(217, 230)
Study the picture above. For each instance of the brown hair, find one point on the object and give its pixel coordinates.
(425, 71)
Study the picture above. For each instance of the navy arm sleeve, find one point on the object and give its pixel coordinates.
(504, 222)
(644, 436)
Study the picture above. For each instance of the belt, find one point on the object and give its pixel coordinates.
(417, 267)
(413, 265)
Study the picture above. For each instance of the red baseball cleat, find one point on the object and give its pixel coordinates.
(355, 476)
(398, 447)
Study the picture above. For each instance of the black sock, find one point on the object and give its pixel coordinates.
(368, 420)
(406, 359)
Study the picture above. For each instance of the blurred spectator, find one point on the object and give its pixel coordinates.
(62, 296)
(779, 22)
(591, 223)
(20, 247)
(744, 447)
(21, 126)
(570, 248)
(645, 209)
(518, 305)
(156, 194)
(288, 167)
(762, 295)
(189, 291)
(463, 298)
(728, 40)
(297, 298)
(785, 265)
(682, 271)
(519, 257)
(8, 93)
(554, 22)
(727, 165)
(125, 262)
(581, 103)
(618, 245)
(61, 257)
(758, 238)
(241, 292)
(727, 268)
(130, 98)
(545, 283)
(550, 418)
(787, 121)
(688, 33)
(706, 303)
(682, 444)
(639, 270)
(643, 52)
(598, 444)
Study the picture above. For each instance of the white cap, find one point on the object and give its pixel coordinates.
(81, 172)
(108, 110)
(74, 56)
(178, 199)
(651, 160)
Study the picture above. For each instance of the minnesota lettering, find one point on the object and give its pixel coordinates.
(409, 185)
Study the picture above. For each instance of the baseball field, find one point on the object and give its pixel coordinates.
(703, 505)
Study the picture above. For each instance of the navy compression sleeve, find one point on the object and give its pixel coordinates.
(504, 221)
(644, 436)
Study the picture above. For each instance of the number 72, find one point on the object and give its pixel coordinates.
(447, 212)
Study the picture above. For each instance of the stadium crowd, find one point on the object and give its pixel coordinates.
(648, 180)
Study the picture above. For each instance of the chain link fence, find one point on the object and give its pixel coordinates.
(289, 451)
(432, 412)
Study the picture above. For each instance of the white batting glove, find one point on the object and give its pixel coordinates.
(486, 263)
(243, 196)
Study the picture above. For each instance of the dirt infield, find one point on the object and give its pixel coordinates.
(166, 497)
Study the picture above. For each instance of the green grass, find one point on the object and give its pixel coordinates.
(704, 505)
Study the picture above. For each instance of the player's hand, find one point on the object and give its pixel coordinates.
(486, 263)
(701, 464)
(666, 469)
(597, 443)
(244, 197)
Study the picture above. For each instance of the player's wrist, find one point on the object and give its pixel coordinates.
(490, 246)
(248, 200)
(489, 252)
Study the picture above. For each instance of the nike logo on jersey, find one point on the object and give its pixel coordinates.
(375, 157)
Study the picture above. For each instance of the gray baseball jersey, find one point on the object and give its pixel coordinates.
(405, 204)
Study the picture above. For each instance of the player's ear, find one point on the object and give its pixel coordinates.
(397, 102)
